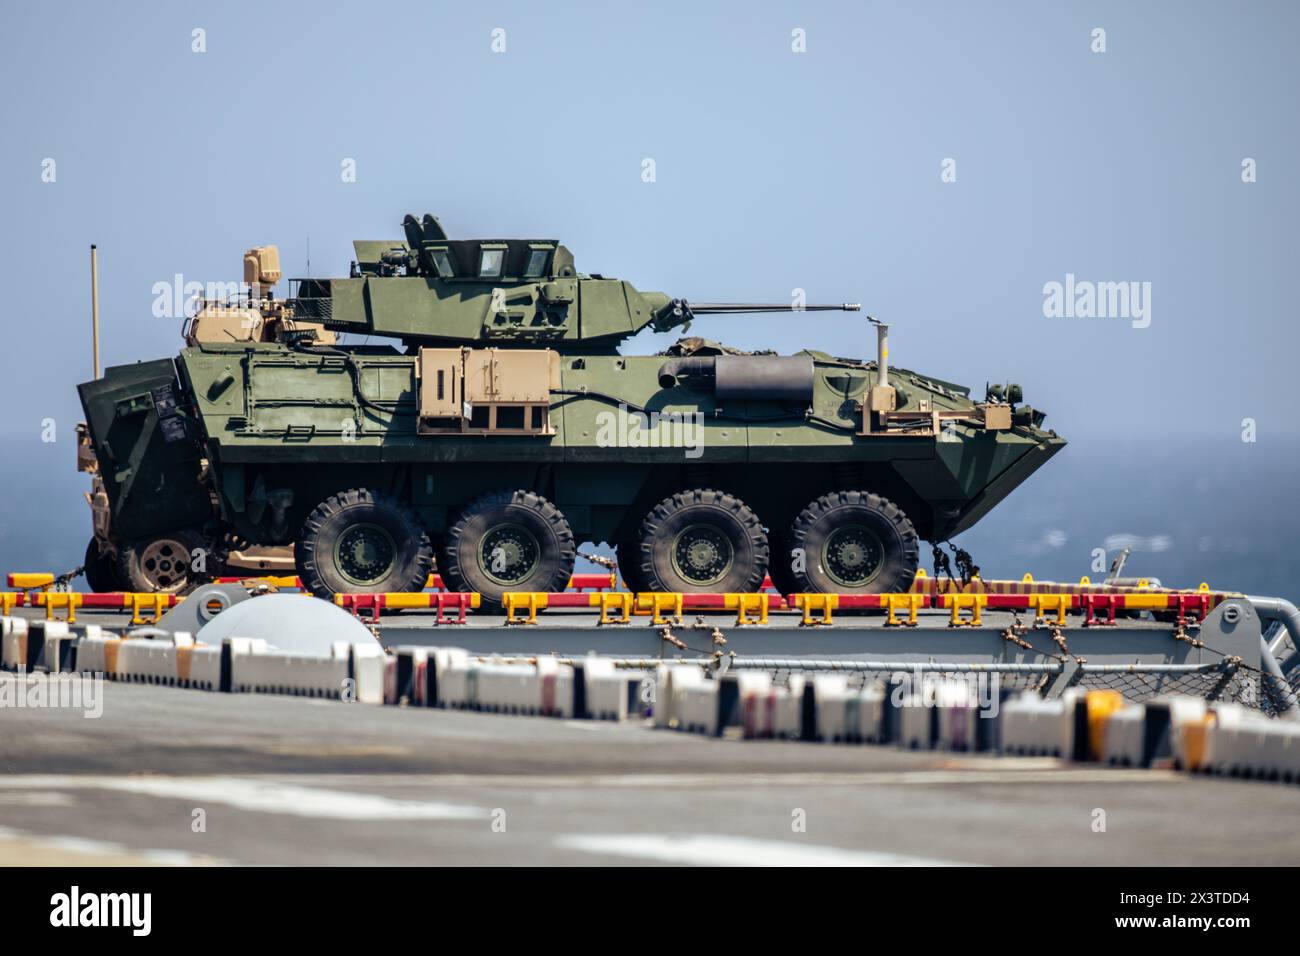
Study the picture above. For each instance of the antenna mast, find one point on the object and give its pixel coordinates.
(94, 305)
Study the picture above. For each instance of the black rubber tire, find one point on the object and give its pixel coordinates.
(101, 570)
(724, 513)
(316, 550)
(628, 555)
(780, 562)
(892, 528)
(163, 564)
(460, 560)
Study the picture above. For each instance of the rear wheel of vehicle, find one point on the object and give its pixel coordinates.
(101, 570)
(360, 541)
(702, 541)
(508, 541)
(168, 563)
(854, 542)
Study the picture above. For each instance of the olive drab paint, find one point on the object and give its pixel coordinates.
(491, 366)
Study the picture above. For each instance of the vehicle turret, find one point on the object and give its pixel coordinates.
(431, 290)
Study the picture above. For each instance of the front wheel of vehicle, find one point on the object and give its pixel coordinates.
(854, 542)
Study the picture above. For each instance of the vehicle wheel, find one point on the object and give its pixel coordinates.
(508, 541)
(101, 570)
(359, 542)
(163, 564)
(780, 564)
(702, 541)
(629, 569)
(855, 542)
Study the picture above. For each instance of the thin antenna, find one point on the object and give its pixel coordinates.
(94, 305)
(309, 257)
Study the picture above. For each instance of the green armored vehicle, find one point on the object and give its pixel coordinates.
(489, 422)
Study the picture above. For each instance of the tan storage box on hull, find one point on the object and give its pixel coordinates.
(487, 391)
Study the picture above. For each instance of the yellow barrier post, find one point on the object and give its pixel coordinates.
(69, 600)
(747, 604)
(656, 603)
(974, 603)
(809, 603)
(1045, 604)
(902, 602)
(607, 601)
(530, 601)
(155, 602)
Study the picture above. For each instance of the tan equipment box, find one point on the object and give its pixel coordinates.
(486, 391)
(997, 418)
(262, 265)
(883, 398)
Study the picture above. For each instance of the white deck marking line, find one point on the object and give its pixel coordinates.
(258, 795)
(917, 778)
(89, 847)
(700, 850)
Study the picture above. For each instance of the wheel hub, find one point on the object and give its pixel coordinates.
(702, 554)
(365, 553)
(166, 563)
(853, 556)
(509, 554)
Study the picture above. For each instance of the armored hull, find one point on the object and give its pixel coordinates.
(502, 429)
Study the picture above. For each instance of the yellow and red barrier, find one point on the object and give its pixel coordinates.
(444, 602)
(1049, 602)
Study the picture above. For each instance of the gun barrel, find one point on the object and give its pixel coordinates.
(714, 308)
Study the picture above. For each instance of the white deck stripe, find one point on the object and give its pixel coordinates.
(732, 851)
(1063, 774)
(258, 795)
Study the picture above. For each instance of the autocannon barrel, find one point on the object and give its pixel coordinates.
(681, 309)
(679, 312)
(714, 308)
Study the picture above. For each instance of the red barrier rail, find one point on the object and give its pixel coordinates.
(459, 602)
(1099, 608)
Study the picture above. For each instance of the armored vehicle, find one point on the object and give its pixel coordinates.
(488, 420)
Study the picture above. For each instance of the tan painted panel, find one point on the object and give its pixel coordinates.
(440, 373)
(997, 417)
(479, 385)
(218, 324)
(523, 375)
